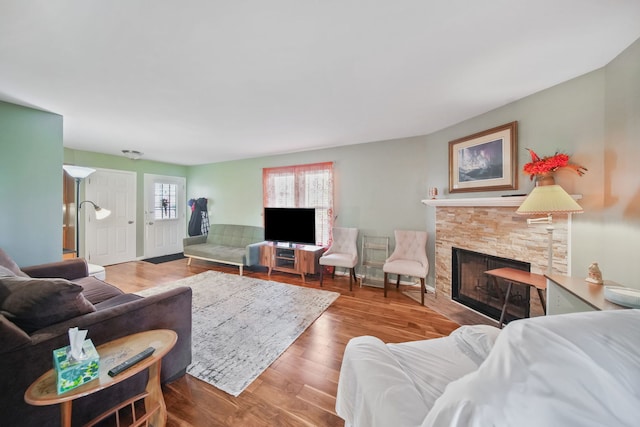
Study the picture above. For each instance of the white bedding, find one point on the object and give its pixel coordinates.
(579, 369)
(397, 384)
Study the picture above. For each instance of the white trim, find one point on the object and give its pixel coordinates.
(482, 201)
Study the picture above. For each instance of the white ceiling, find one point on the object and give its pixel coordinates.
(202, 81)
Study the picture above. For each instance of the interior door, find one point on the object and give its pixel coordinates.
(165, 210)
(111, 240)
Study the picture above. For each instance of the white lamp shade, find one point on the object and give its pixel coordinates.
(547, 199)
(102, 213)
(78, 171)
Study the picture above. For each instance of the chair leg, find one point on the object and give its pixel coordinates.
(385, 284)
(333, 273)
(350, 281)
(321, 274)
(398, 282)
(353, 273)
(423, 290)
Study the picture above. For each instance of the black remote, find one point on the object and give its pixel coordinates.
(131, 361)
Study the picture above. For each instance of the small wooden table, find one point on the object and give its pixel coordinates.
(511, 276)
(43, 390)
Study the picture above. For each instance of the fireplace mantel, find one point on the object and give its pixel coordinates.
(482, 201)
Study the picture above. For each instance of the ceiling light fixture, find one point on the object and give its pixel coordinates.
(132, 154)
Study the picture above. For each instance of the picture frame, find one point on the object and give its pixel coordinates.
(485, 161)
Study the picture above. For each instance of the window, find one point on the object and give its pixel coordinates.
(164, 201)
(302, 186)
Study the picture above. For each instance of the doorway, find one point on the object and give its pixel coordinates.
(113, 239)
(164, 213)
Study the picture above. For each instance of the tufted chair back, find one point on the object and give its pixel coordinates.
(409, 258)
(343, 252)
(344, 242)
(411, 245)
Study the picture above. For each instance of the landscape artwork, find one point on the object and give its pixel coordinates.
(484, 161)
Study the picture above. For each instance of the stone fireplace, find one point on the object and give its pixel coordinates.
(491, 226)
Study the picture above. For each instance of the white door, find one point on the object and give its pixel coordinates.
(164, 213)
(111, 240)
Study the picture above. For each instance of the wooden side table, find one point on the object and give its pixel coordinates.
(43, 390)
(511, 276)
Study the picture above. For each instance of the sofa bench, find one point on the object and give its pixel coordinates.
(28, 340)
(231, 244)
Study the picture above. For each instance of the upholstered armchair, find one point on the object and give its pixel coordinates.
(343, 252)
(409, 258)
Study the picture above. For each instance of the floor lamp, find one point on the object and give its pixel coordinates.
(547, 200)
(79, 173)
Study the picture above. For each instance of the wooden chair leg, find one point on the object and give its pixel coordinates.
(385, 284)
(398, 282)
(423, 290)
(353, 273)
(321, 274)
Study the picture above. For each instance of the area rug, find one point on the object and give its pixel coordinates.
(164, 258)
(241, 325)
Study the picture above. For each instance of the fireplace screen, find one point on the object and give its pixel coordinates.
(471, 287)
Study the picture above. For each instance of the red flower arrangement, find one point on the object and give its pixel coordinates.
(547, 164)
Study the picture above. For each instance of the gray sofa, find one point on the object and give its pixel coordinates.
(227, 244)
(36, 314)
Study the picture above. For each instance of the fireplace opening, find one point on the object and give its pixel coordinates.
(471, 287)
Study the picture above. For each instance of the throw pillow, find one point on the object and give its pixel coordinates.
(33, 304)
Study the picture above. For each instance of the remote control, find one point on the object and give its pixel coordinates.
(131, 361)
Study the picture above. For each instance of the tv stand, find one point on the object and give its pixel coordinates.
(291, 258)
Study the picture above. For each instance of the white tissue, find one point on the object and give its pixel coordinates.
(76, 341)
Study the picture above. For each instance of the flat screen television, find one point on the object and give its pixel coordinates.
(292, 225)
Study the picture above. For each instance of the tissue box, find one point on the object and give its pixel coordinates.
(72, 373)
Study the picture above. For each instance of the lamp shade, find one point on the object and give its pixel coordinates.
(102, 213)
(78, 172)
(547, 199)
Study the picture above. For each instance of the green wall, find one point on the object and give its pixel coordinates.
(379, 185)
(30, 184)
(618, 243)
(106, 161)
(370, 184)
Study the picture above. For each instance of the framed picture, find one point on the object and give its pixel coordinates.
(485, 161)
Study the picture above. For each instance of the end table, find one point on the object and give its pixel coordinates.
(43, 390)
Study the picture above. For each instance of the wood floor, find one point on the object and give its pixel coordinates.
(299, 388)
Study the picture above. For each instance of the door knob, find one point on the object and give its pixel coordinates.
(151, 223)
(130, 222)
